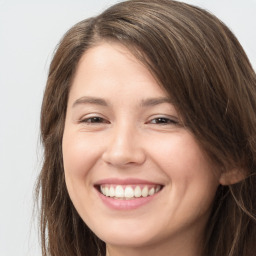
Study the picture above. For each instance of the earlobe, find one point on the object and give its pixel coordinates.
(231, 177)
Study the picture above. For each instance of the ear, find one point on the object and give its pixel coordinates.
(231, 177)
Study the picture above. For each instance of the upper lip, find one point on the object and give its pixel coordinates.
(129, 181)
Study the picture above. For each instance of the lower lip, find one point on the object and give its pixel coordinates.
(119, 204)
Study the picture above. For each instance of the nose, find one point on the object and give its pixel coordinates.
(124, 148)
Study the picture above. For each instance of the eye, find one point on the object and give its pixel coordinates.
(94, 120)
(163, 121)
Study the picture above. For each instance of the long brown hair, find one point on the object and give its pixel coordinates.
(202, 66)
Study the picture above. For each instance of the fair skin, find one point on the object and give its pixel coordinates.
(122, 131)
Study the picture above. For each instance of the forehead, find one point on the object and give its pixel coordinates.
(111, 69)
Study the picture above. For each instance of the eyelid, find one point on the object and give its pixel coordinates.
(173, 119)
(100, 119)
(84, 119)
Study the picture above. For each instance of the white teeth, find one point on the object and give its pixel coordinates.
(137, 191)
(128, 192)
(151, 191)
(102, 190)
(144, 192)
(119, 191)
(111, 192)
(106, 191)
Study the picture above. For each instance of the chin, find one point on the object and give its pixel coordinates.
(126, 240)
(130, 235)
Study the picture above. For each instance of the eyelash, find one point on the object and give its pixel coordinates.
(94, 120)
(163, 121)
(157, 120)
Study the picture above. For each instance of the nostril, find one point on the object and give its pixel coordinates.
(123, 157)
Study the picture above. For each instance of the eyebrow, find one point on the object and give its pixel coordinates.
(90, 100)
(155, 101)
(99, 101)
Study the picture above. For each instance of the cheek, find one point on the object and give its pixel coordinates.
(182, 156)
(73, 162)
(79, 157)
(179, 156)
(80, 153)
(192, 176)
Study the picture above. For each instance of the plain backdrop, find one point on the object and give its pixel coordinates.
(29, 33)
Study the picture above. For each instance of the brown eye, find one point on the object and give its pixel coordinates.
(163, 121)
(94, 120)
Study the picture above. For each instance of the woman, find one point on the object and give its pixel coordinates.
(148, 125)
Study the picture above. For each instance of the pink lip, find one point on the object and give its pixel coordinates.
(119, 204)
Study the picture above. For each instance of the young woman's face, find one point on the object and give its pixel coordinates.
(134, 173)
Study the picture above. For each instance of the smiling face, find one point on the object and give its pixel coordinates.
(135, 174)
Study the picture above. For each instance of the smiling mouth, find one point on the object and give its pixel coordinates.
(128, 192)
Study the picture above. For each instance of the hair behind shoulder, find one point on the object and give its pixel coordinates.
(202, 66)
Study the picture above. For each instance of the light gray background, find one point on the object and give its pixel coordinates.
(29, 32)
